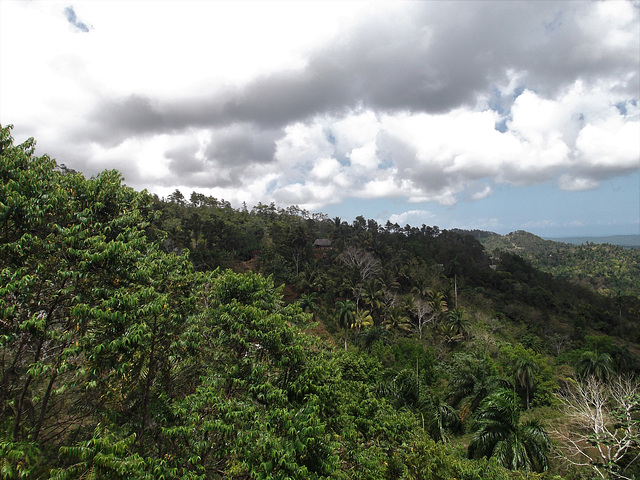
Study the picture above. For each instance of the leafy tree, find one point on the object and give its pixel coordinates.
(83, 298)
(532, 374)
(106, 455)
(255, 410)
(500, 434)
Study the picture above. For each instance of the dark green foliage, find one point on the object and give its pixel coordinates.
(610, 269)
(500, 435)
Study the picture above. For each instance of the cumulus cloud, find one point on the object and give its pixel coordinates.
(411, 217)
(420, 101)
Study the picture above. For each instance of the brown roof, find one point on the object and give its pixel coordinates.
(322, 242)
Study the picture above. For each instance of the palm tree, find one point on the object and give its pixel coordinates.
(524, 373)
(595, 365)
(442, 419)
(362, 319)
(309, 302)
(438, 417)
(346, 315)
(388, 280)
(369, 336)
(396, 318)
(501, 435)
(373, 296)
(474, 382)
(311, 278)
(422, 286)
(438, 304)
(456, 322)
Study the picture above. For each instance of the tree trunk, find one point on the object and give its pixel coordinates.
(43, 409)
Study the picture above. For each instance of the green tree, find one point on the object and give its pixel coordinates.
(345, 311)
(594, 364)
(456, 323)
(500, 434)
(91, 309)
(105, 455)
(397, 319)
(362, 319)
(524, 373)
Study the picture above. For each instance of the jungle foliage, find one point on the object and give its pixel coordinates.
(185, 339)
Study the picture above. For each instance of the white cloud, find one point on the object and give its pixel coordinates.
(313, 103)
(412, 217)
(484, 193)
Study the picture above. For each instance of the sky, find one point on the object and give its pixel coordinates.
(488, 115)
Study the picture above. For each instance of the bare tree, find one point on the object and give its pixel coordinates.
(602, 429)
(559, 342)
(430, 310)
(422, 311)
(365, 262)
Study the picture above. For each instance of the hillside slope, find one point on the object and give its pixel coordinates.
(609, 269)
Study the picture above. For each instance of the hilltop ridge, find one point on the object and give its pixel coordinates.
(608, 268)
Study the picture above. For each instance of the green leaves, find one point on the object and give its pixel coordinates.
(105, 456)
(499, 434)
(18, 459)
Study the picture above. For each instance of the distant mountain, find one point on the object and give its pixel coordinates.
(521, 242)
(627, 241)
(610, 266)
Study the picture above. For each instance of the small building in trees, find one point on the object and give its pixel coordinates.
(322, 244)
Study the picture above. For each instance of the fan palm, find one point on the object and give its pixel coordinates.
(501, 435)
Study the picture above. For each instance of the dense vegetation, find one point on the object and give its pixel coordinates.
(144, 338)
(611, 270)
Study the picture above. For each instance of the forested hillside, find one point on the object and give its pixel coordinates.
(611, 270)
(185, 339)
